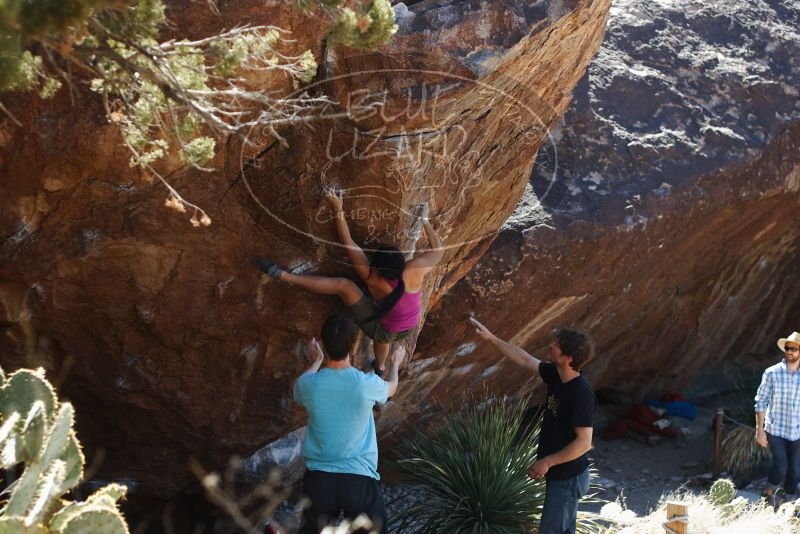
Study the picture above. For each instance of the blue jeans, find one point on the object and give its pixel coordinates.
(560, 511)
(785, 463)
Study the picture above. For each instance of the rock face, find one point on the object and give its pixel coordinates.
(166, 337)
(670, 230)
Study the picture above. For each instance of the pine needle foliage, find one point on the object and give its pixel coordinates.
(176, 96)
(742, 456)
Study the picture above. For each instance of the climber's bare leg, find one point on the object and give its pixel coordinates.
(381, 351)
(347, 290)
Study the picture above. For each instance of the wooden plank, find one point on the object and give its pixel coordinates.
(676, 509)
(718, 430)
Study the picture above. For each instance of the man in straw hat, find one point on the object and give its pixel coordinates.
(778, 419)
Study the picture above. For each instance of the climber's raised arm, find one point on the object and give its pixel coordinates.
(429, 258)
(354, 252)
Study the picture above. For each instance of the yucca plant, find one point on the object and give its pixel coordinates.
(742, 457)
(473, 473)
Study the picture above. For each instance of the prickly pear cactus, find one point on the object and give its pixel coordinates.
(735, 507)
(36, 432)
(722, 492)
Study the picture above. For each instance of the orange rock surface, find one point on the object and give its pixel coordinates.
(167, 338)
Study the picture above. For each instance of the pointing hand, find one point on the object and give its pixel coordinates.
(481, 330)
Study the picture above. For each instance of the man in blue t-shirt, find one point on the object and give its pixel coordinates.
(566, 435)
(340, 448)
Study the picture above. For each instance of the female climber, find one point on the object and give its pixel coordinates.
(391, 310)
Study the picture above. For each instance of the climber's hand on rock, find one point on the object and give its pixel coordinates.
(315, 354)
(424, 211)
(481, 330)
(335, 198)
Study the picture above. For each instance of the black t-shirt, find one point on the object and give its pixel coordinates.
(569, 405)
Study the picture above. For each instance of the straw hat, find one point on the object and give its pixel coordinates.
(794, 338)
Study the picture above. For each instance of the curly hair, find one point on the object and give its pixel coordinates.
(576, 344)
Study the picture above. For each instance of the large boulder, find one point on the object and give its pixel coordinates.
(166, 337)
(662, 218)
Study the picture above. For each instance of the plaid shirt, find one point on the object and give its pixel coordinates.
(779, 396)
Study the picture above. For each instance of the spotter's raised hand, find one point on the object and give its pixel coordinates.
(481, 330)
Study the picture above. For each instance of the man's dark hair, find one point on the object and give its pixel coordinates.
(338, 335)
(577, 344)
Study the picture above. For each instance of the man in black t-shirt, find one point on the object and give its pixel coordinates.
(566, 435)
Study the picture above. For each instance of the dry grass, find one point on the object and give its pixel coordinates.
(706, 518)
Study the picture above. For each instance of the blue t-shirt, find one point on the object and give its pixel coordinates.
(340, 437)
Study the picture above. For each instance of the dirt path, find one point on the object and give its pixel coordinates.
(641, 474)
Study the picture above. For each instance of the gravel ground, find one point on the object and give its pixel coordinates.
(639, 474)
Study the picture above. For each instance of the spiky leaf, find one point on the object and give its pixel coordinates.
(97, 521)
(53, 464)
(72, 456)
(472, 471)
(108, 495)
(23, 388)
(8, 454)
(33, 430)
(105, 498)
(58, 435)
(47, 494)
(16, 525)
(24, 492)
(66, 514)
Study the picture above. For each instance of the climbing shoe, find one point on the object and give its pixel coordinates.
(371, 367)
(269, 268)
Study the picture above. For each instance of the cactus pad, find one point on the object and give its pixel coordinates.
(722, 492)
(36, 431)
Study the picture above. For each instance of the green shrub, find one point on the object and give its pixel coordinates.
(175, 96)
(473, 473)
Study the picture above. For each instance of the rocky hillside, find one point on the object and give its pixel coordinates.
(166, 337)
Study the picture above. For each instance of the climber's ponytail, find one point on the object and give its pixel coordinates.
(389, 263)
